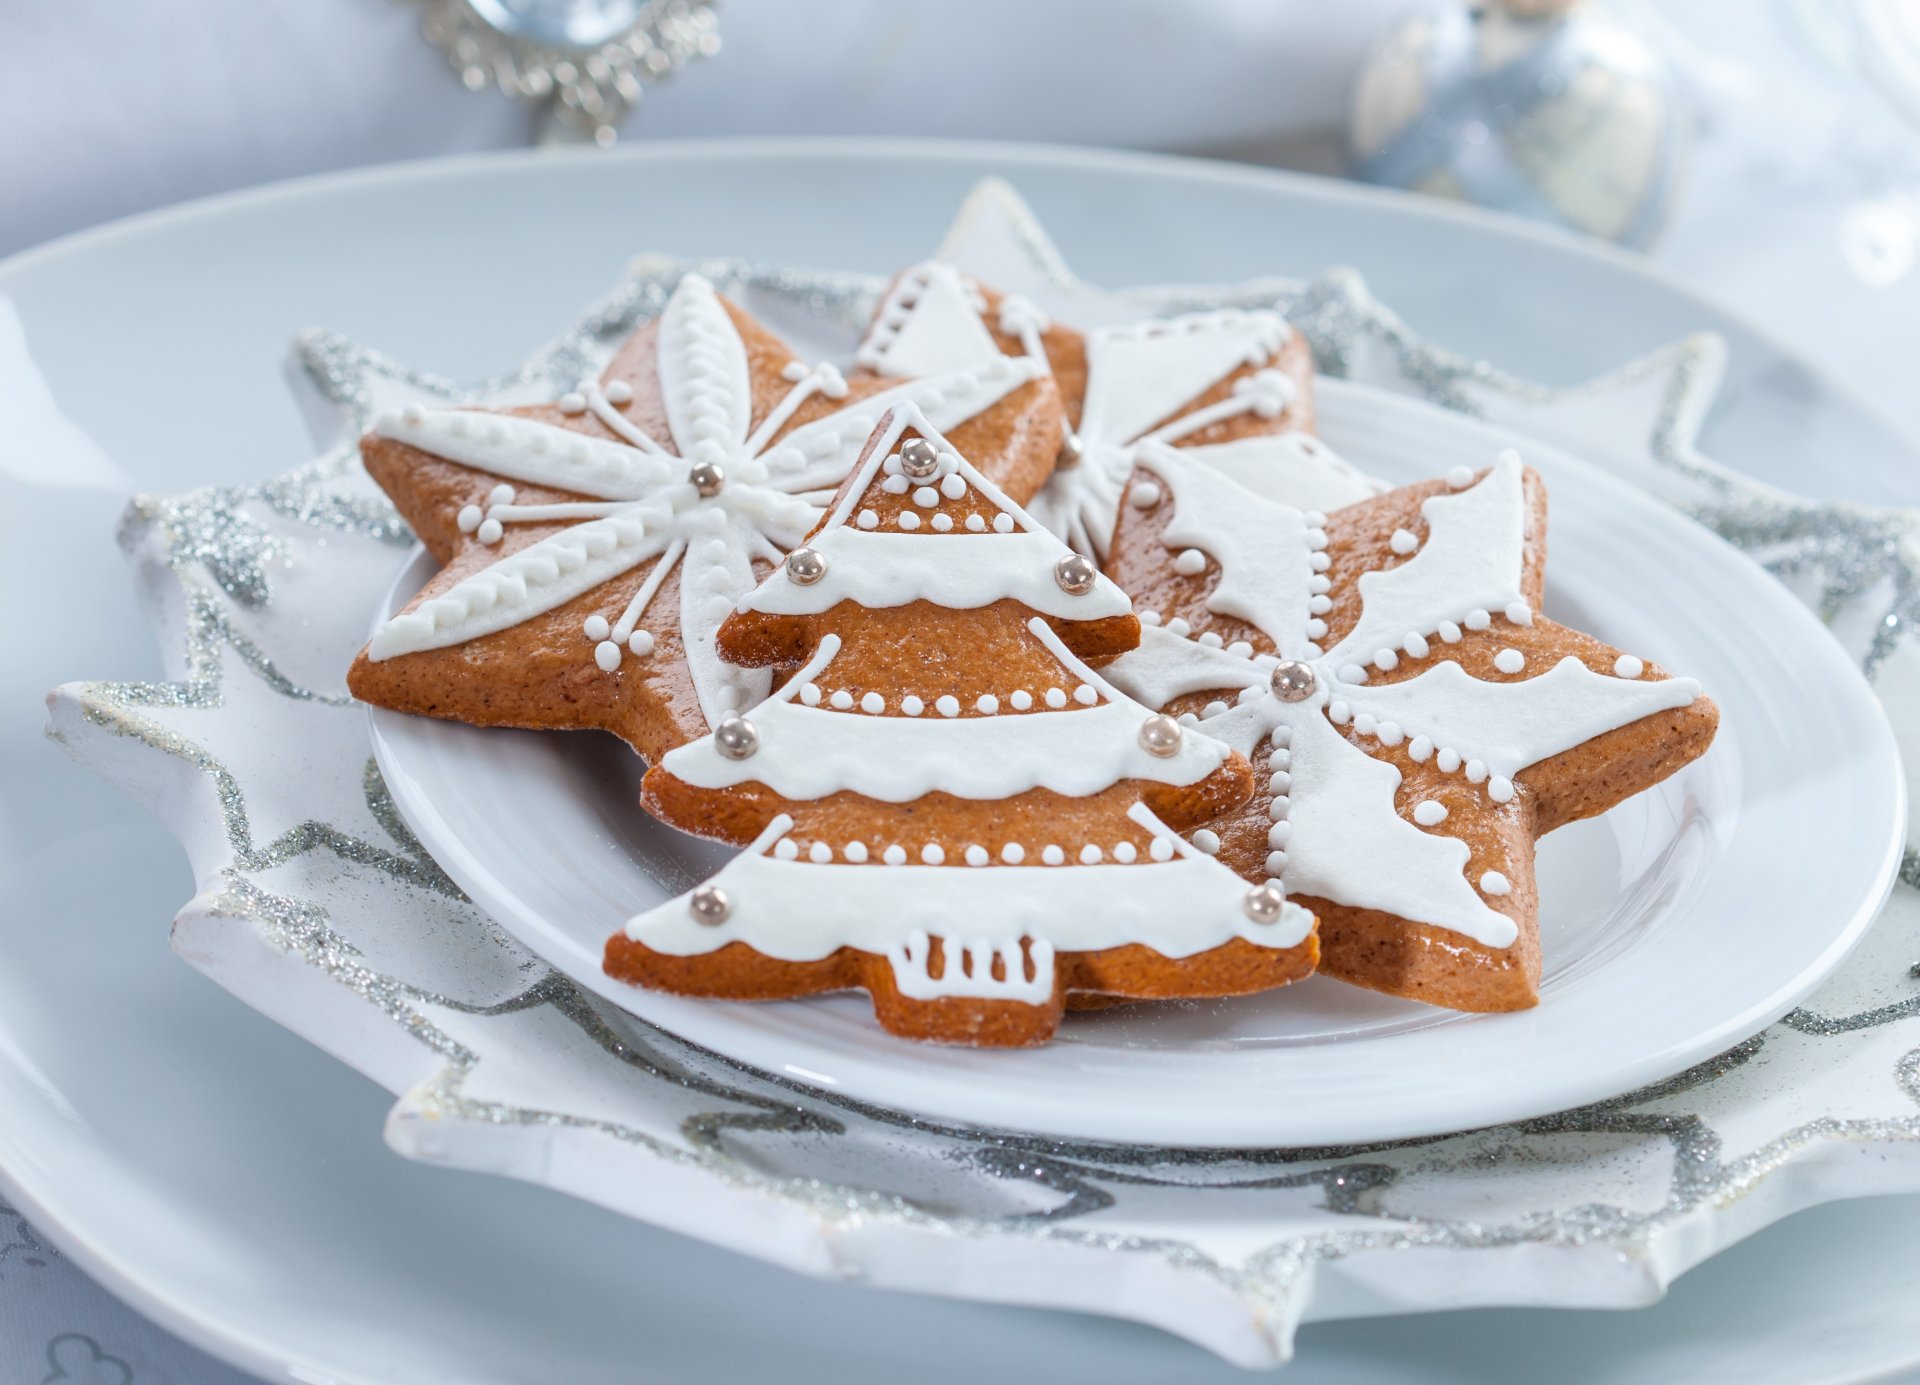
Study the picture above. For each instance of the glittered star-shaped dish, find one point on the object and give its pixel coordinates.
(592, 546)
(1413, 721)
(1234, 382)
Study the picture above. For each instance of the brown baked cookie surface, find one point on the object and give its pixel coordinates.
(591, 547)
(1413, 723)
(944, 804)
(1236, 383)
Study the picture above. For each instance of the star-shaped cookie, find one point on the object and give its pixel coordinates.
(1236, 383)
(593, 545)
(1414, 722)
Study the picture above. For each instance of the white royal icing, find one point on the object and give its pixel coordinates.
(1142, 381)
(644, 510)
(878, 568)
(1335, 832)
(1178, 902)
(809, 751)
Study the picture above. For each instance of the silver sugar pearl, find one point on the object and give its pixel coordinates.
(708, 478)
(805, 566)
(709, 905)
(1160, 735)
(1293, 681)
(735, 737)
(1072, 450)
(1075, 574)
(919, 458)
(1265, 903)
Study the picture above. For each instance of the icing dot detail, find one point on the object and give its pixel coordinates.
(977, 856)
(1403, 542)
(1429, 813)
(933, 854)
(895, 855)
(1091, 855)
(786, 849)
(872, 703)
(987, 705)
(841, 701)
(1500, 789)
(868, 520)
(607, 655)
(976, 524)
(1052, 855)
(1144, 495)
(1519, 613)
(1125, 853)
(855, 852)
(947, 705)
(1190, 562)
(1021, 700)
(1003, 524)
(1161, 850)
(1460, 477)
(926, 497)
(819, 853)
(1056, 699)
(1626, 666)
(810, 694)
(596, 628)
(1207, 841)
(1478, 620)
(1494, 883)
(1509, 661)
(1085, 695)
(1013, 853)
(909, 520)
(912, 705)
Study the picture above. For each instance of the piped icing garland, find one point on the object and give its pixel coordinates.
(1000, 912)
(718, 494)
(1143, 383)
(1335, 832)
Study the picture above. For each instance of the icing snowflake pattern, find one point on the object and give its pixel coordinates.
(1335, 833)
(729, 494)
(1143, 382)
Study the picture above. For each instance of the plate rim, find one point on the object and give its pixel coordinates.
(215, 1327)
(862, 1076)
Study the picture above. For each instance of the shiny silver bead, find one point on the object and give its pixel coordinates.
(735, 737)
(709, 905)
(1160, 735)
(919, 458)
(708, 478)
(1265, 903)
(1075, 574)
(1293, 681)
(805, 566)
(1072, 450)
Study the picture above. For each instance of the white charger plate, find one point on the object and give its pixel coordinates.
(225, 1176)
(1673, 927)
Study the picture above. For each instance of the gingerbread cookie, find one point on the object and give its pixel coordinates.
(1413, 721)
(593, 546)
(1235, 383)
(945, 805)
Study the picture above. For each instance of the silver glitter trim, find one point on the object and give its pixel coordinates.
(744, 1126)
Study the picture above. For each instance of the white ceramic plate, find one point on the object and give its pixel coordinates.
(227, 1177)
(1673, 927)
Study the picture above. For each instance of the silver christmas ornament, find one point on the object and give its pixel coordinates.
(1265, 903)
(1293, 681)
(709, 905)
(805, 566)
(1555, 110)
(1071, 452)
(586, 63)
(1160, 735)
(735, 737)
(919, 458)
(708, 478)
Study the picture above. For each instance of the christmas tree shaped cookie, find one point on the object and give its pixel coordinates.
(1413, 721)
(945, 805)
(1235, 384)
(593, 546)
